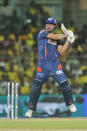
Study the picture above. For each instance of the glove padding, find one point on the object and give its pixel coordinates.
(70, 36)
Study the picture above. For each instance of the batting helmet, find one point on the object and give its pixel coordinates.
(51, 20)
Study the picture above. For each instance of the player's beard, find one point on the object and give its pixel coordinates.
(50, 30)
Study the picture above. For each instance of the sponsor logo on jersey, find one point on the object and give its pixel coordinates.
(59, 72)
(53, 42)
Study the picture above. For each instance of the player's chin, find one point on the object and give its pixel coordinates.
(49, 30)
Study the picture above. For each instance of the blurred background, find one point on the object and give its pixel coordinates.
(20, 22)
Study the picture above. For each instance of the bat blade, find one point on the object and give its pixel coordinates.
(63, 28)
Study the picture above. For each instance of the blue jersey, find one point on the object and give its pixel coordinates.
(46, 47)
(48, 63)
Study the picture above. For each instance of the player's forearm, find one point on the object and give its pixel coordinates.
(64, 48)
(60, 36)
(56, 36)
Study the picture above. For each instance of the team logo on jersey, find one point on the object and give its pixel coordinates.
(59, 72)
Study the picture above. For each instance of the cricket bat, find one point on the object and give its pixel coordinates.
(63, 28)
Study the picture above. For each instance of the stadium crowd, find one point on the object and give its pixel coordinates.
(18, 53)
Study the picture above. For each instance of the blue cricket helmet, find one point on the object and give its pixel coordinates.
(51, 20)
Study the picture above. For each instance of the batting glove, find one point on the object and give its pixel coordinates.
(70, 36)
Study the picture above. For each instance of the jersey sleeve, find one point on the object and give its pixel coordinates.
(43, 34)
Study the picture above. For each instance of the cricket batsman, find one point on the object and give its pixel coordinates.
(49, 49)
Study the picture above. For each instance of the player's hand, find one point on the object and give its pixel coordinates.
(69, 33)
(70, 36)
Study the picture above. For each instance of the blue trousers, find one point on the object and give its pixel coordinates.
(46, 69)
